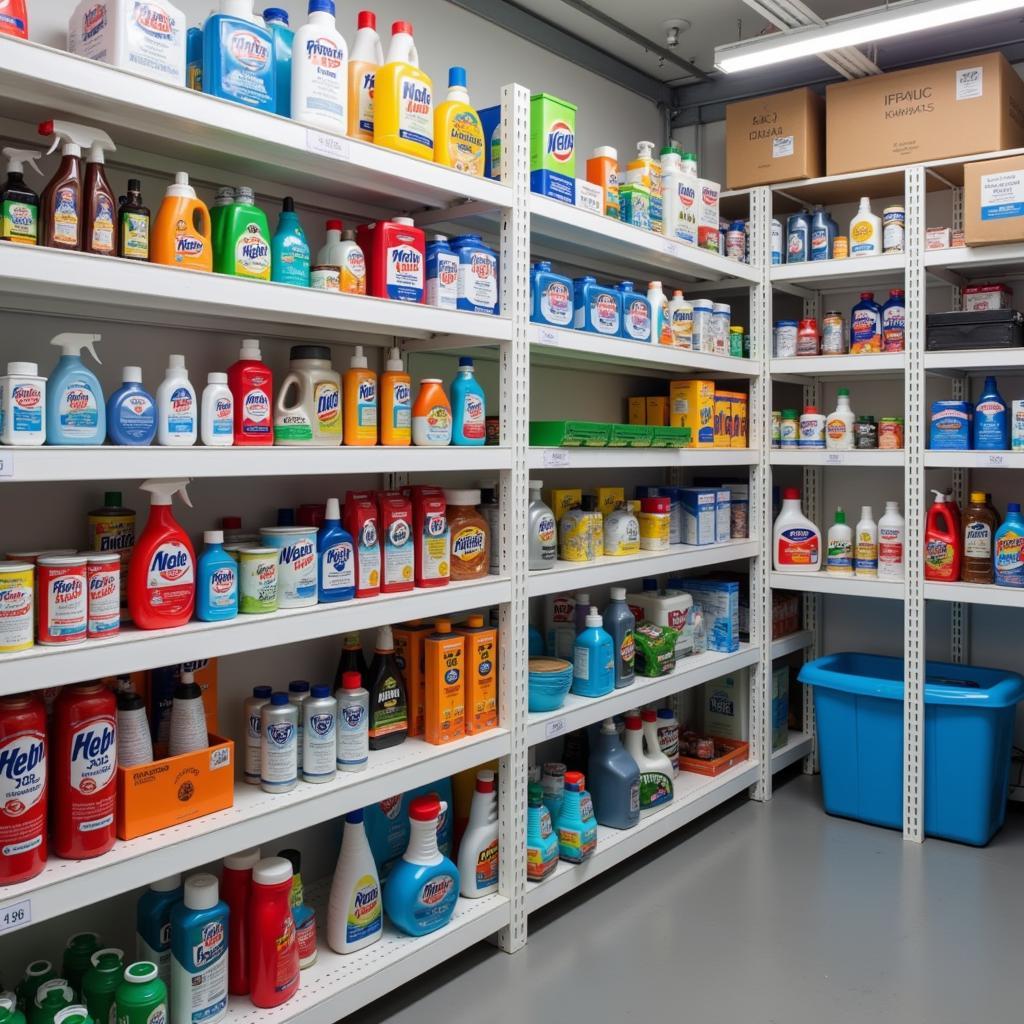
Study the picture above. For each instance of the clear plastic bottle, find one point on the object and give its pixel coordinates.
(543, 543)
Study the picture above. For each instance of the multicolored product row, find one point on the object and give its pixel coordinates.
(872, 328)
(988, 425)
(715, 415)
(839, 431)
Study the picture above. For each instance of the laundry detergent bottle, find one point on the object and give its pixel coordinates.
(1009, 549)
(458, 131)
(238, 57)
(395, 403)
(614, 779)
(243, 246)
(252, 392)
(796, 541)
(320, 71)
(364, 60)
(75, 411)
(943, 542)
(275, 20)
(162, 573)
(404, 99)
(181, 232)
(359, 402)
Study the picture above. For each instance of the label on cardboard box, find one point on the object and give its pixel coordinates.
(1002, 195)
(589, 196)
(969, 83)
(782, 147)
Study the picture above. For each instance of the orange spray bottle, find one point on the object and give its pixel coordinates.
(395, 403)
(359, 403)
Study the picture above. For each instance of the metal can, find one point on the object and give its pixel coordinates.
(325, 279)
(735, 241)
(865, 433)
(17, 601)
(807, 342)
(833, 334)
(143, 999)
(890, 433)
(63, 603)
(253, 706)
(103, 575)
(257, 580)
(785, 339)
(279, 755)
(894, 220)
(296, 566)
(319, 736)
(840, 247)
(492, 428)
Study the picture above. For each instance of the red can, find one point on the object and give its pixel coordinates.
(22, 787)
(84, 759)
(61, 599)
(103, 575)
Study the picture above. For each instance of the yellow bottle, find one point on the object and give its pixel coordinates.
(458, 132)
(403, 99)
(395, 403)
(359, 404)
(363, 62)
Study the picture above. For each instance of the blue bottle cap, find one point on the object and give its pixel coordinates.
(354, 817)
(276, 14)
(262, 691)
(318, 6)
(1013, 507)
(465, 360)
(625, 286)
(457, 78)
(666, 713)
(279, 698)
(320, 691)
(298, 686)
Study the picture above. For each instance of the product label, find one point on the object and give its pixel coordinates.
(839, 558)
(604, 313)
(319, 743)
(367, 83)
(655, 790)
(865, 331)
(104, 600)
(246, 67)
(435, 543)
(865, 561)
(154, 39)
(401, 405)
(797, 545)
(443, 283)
(837, 433)
(65, 217)
(368, 564)
(938, 559)
(65, 603)
(366, 404)
(862, 238)
(556, 304)
(207, 962)
(77, 410)
(581, 662)
(473, 420)
(894, 322)
(365, 916)
(890, 551)
(577, 844)
(1009, 559)
(782, 146)
(19, 222)
(478, 283)
(22, 783)
(389, 712)
(682, 328)
(279, 762)
(353, 272)
(1002, 195)
(325, 81)
(26, 404)
(435, 899)
(970, 83)
(469, 543)
(487, 865)
(404, 279)
(135, 236)
(398, 553)
(466, 143)
(252, 253)
(93, 757)
(296, 572)
(223, 588)
(16, 604)
(977, 540)
(415, 111)
(181, 412)
(337, 567)
(170, 578)
(352, 733)
(103, 226)
(188, 247)
(258, 583)
(256, 405)
(223, 422)
(637, 320)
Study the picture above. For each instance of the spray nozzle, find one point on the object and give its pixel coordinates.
(939, 495)
(17, 158)
(645, 150)
(72, 344)
(75, 137)
(163, 491)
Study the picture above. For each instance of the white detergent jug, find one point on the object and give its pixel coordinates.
(308, 408)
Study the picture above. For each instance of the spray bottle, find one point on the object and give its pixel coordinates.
(19, 205)
(75, 410)
(100, 231)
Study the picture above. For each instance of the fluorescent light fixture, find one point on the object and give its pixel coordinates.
(854, 30)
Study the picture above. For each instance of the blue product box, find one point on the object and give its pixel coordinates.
(675, 522)
(699, 514)
(950, 429)
(720, 602)
(554, 186)
(723, 514)
(490, 121)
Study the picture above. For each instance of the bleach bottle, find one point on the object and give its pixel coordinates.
(177, 410)
(217, 589)
(991, 426)
(199, 954)
(468, 406)
(320, 71)
(364, 60)
(336, 579)
(75, 411)
(153, 924)
(354, 915)
(238, 57)
(131, 411)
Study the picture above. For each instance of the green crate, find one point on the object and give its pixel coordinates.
(630, 435)
(568, 434)
(671, 437)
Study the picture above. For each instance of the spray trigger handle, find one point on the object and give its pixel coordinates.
(163, 491)
(72, 344)
(17, 158)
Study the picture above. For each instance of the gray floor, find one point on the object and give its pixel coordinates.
(762, 913)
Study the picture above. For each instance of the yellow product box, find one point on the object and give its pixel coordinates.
(608, 498)
(409, 655)
(723, 419)
(444, 684)
(563, 499)
(740, 420)
(481, 674)
(637, 411)
(691, 403)
(657, 411)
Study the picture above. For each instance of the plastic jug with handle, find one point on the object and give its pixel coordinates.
(404, 99)
(943, 544)
(181, 234)
(364, 60)
(308, 407)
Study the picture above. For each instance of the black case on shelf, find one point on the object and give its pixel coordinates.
(984, 328)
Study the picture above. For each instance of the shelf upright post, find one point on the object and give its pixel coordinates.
(913, 629)
(959, 613)
(515, 412)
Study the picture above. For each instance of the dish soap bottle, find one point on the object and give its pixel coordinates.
(839, 425)
(395, 402)
(593, 673)
(336, 580)
(1009, 549)
(796, 541)
(217, 596)
(839, 557)
(577, 829)
(289, 250)
(468, 410)
(19, 205)
(423, 886)
(404, 99)
(359, 403)
(865, 231)
(619, 622)
(656, 787)
(244, 237)
(614, 780)
(354, 915)
(541, 841)
(389, 706)
(543, 544)
(75, 411)
(478, 848)
(458, 131)
(364, 60)
(991, 426)
(865, 554)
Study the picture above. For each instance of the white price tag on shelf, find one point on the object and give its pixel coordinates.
(554, 728)
(15, 915)
(548, 336)
(326, 144)
(997, 460)
(555, 459)
(6, 464)
(673, 248)
(833, 458)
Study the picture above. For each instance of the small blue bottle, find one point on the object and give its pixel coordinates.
(636, 313)
(593, 673)
(194, 58)
(821, 236)
(153, 923)
(798, 237)
(336, 575)
(597, 309)
(238, 60)
(535, 642)
(551, 300)
(289, 250)
(576, 827)
(468, 406)
(991, 428)
(131, 411)
(200, 923)
(1008, 560)
(216, 581)
(478, 275)
(276, 21)
(442, 274)
(614, 779)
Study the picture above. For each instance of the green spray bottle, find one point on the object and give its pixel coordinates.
(244, 235)
(9, 1012)
(53, 995)
(141, 995)
(101, 981)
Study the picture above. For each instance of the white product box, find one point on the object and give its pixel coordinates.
(723, 514)
(699, 514)
(937, 238)
(986, 296)
(720, 602)
(589, 197)
(708, 233)
(725, 706)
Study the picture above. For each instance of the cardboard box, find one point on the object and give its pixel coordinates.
(561, 499)
(609, 498)
(408, 639)
(691, 403)
(775, 138)
(986, 296)
(723, 419)
(481, 676)
(657, 411)
(725, 706)
(994, 201)
(971, 105)
(553, 147)
(589, 197)
(637, 411)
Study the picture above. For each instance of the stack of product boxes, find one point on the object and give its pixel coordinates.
(717, 417)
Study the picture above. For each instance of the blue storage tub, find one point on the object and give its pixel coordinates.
(968, 734)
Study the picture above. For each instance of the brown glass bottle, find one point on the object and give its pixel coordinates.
(389, 706)
(98, 200)
(980, 524)
(352, 659)
(62, 212)
(133, 223)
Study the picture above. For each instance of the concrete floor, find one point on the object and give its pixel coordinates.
(765, 913)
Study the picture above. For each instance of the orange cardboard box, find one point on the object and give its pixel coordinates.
(481, 674)
(175, 789)
(409, 655)
(444, 684)
(657, 411)
(637, 411)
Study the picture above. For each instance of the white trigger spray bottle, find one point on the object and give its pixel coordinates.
(75, 410)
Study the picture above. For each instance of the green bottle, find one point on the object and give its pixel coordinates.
(100, 984)
(52, 996)
(223, 201)
(142, 996)
(9, 1012)
(77, 1014)
(35, 974)
(244, 235)
(78, 958)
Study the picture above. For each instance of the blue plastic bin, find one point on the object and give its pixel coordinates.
(968, 734)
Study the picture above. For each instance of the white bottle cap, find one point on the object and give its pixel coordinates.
(358, 360)
(536, 485)
(608, 727)
(892, 506)
(131, 375)
(459, 497)
(582, 597)
(272, 871)
(22, 369)
(593, 619)
(333, 510)
(176, 362)
(245, 860)
(181, 188)
(250, 349)
(405, 221)
(395, 361)
(213, 536)
(617, 593)
(385, 638)
(216, 378)
(865, 512)
(201, 891)
(168, 884)
(608, 151)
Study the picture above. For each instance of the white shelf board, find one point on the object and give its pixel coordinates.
(824, 583)
(974, 460)
(578, 712)
(843, 275)
(792, 643)
(191, 128)
(147, 293)
(110, 462)
(578, 236)
(255, 818)
(628, 458)
(878, 364)
(559, 347)
(975, 261)
(135, 649)
(817, 457)
(694, 795)
(797, 748)
(974, 361)
(610, 569)
(975, 593)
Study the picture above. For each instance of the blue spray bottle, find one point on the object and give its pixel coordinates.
(276, 20)
(153, 924)
(991, 426)
(238, 57)
(468, 406)
(216, 581)
(199, 951)
(75, 412)
(336, 576)
(593, 673)
(131, 411)
(289, 250)
(577, 829)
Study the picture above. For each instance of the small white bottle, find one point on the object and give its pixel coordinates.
(353, 724)
(865, 231)
(865, 550)
(177, 419)
(681, 316)
(891, 543)
(796, 541)
(320, 71)
(839, 553)
(217, 412)
(22, 405)
(661, 318)
(188, 718)
(839, 424)
(355, 916)
(478, 849)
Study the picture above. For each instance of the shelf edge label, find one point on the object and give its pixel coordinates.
(327, 145)
(15, 915)
(6, 465)
(554, 728)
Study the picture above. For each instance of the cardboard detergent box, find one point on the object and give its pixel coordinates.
(774, 138)
(994, 202)
(956, 108)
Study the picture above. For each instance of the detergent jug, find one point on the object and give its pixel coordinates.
(238, 57)
(364, 60)
(551, 296)
(308, 409)
(404, 99)
(636, 313)
(181, 234)
(243, 244)
(320, 71)
(395, 259)
(458, 132)
(943, 542)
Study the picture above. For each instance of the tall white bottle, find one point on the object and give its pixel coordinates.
(892, 546)
(796, 541)
(478, 850)
(865, 231)
(865, 545)
(177, 421)
(355, 917)
(656, 786)
(320, 71)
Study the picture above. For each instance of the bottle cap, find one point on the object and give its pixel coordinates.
(216, 378)
(333, 510)
(475, 621)
(129, 700)
(142, 972)
(608, 727)
(406, 222)
(574, 781)
(485, 781)
(810, 410)
(535, 794)
(278, 698)
(273, 870)
(351, 681)
(276, 14)
(187, 689)
(298, 686)
(109, 959)
(358, 361)
(866, 512)
(617, 593)
(355, 817)
(978, 497)
(366, 19)
(466, 361)
(321, 7)
(250, 349)
(1013, 507)
(840, 514)
(201, 892)
(425, 808)
(457, 78)
(649, 715)
(385, 639)
(666, 713)
(263, 692)
(443, 626)
(335, 225)
(398, 27)
(867, 295)
(213, 536)
(535, 485)
(176, 362)
(462, 497)
(594, 620)
(790, 494)
(606, 152)
(582, 597)
(844, 391)
(244, 860)
(320, 691)
(394, 364)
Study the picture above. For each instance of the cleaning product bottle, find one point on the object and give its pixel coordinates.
(389, 705)
(1009, 549)
(980, 525)
(289, 250)
(839, 424)
(320, 71)
(238, 59)
(796, 541)
(153, 923)
(336, 579)
(839, 556)
(9, 1011)
(181, 233)
(645, 170)
(161, 577)
(355, 918)
(101, 982)
(614, 779)
(14, 19)
(395, 403)
(275, 20)
(217, 412)
(65, 204)
(478, 848)
(541, 841)
(177, 413)
(359, 402)
(542, 543)
(77, 959)
(51, 998)
(19, 205)
(891, 543)
(252, 391)
(656, 786)
(217, 585)
(865, 545)
(661, 318)
(577, 829)
(133, 225)
(681, 319)
(943, 543)
(593, 673)
(603, 171)
(364, 60)
(798, 237)
(273, 947)
(75, 411)
(866, 325)
(423, 886)
(458, 131)
(222, 202)
(990, 429)
(619, 622)
(235, 890)
(199, 954)
(468, 410)
(894, 322)
(244, 248)
(403, 99)
(865, 231)
(821, 236)
(636, 313)
(100, 229)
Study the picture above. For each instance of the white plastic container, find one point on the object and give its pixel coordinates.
(661, 318)
(478, 848)
(307, 412)
(320, 71)
(177, 414)
(188, 718)
(865, 231)
(892, 548)
(355, 915)
(146, 38)
(656, 777)
(865, 545)
(217, 412)
(681, 316)
(703, 329)
(670, 608)
(796, 541)
(839, 424)
(721, 321)
(22, 405)
(679, 201)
